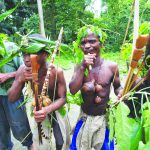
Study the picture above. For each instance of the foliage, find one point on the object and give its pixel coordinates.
(13, 23)
(2, 48)
(35, 45)
(129, 131)
(31, 23)
(126, 51)
(6, 14)
(74, 99)
(128, 127)
(114, 20)
(68, 14)
(126, 48)
(62, 110)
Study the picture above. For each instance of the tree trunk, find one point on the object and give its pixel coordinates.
(40, 11)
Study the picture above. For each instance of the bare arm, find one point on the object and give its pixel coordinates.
(116, 81)
(61, 93)
(77, 78)
(23, 74)
(5, 76)
(41, 114)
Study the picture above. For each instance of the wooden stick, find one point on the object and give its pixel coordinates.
(35, 68)
(45, 85)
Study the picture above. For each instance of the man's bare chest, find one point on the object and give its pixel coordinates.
(101, 75)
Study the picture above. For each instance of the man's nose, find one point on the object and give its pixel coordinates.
(26, 58)
(87, 45)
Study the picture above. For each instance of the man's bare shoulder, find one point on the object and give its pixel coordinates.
(110, 63)
(57, 70)
(113, 66)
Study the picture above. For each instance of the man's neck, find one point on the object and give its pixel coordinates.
(98, 61)
(43, 70)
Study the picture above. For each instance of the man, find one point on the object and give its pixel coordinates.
(12, 117)
(95, 89)
(58, 93)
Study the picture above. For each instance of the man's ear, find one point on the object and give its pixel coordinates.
(100, 44)
(46, 54)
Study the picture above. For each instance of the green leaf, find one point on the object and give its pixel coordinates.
(6, 14)
(33, 48)
(146, 117)
(10, 47)
(111, 124)
(74, 99)
(2, 51)
(128, 131)
(144, 146)
(9, 58)
(147, 134)
(62, 111)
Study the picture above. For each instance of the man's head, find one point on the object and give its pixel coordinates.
(89, 40)
(36, 46)
(90, 44)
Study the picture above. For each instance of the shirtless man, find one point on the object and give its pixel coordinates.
(25, 74)
(95, 90)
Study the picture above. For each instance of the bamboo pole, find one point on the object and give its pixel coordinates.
(45, 85)
(135, 35)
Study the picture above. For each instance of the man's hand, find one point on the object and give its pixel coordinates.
(5, 76)
(120, 94)
(24, 74)
(89, 59)
(40, 115)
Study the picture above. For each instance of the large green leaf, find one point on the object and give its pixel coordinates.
(111, 123)
(51, 43)
(146, 117)
(10, 47)
(6, 14)
(144, 146)
(33, 48)
(9, 58)
(128, 131)
(147, 134)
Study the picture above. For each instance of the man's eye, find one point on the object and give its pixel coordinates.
(25, 54)
(92, 41)
(83, 43)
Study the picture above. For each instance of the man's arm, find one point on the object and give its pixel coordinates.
(116, 81)
(23, 74)
(77, 79)
(5, 76)
(41, 114)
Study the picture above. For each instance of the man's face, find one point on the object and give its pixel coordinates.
(90, 44)
(41, 58)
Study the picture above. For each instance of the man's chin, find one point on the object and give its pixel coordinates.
(28, 64)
